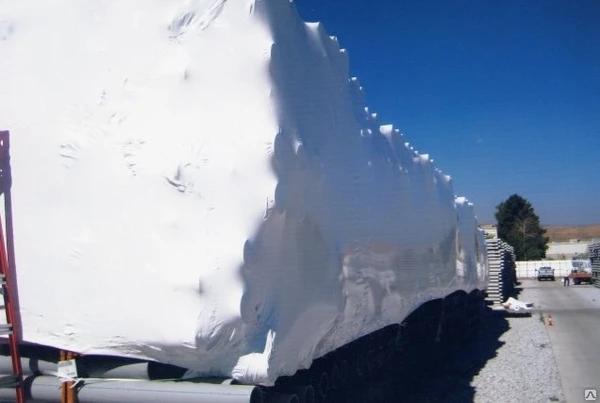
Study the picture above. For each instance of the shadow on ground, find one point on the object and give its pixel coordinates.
(446, 374)
(447, 377)
(431, 357)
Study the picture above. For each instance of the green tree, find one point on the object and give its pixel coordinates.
(519, 226)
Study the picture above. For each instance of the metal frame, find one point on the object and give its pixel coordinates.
(7, 267)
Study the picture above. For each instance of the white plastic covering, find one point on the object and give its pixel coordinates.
(200, 183)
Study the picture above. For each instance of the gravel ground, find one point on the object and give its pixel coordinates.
(502, 359)
(524, 369)
(507, 360)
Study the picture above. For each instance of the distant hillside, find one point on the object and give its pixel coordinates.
(565, 233)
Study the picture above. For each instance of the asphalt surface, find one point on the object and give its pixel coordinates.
(575, 333)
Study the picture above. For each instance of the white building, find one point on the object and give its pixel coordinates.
(490, 230)
(567, 250)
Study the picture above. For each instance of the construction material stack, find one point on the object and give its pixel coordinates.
(594, 252)
(501, 266)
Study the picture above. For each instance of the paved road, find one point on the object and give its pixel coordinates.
(575, 335)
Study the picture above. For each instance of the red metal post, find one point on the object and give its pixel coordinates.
(7, 265)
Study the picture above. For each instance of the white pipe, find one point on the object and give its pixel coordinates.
(99, 367)
(95, 366)
(47, 389)
(31, 366)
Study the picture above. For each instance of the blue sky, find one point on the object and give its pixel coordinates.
(504, 95)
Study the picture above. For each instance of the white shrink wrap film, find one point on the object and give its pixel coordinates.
(200, 183)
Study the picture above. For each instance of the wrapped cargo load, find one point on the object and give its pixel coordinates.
(200, 183)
